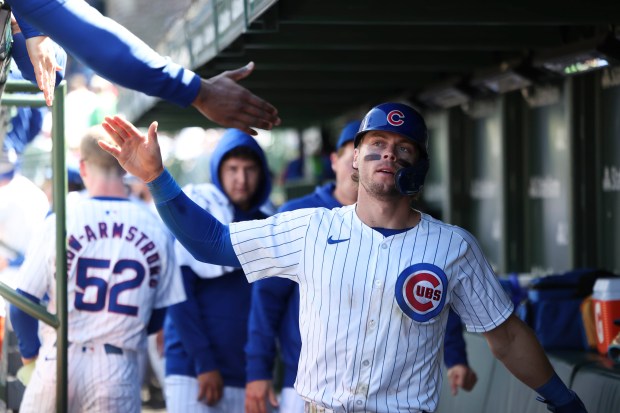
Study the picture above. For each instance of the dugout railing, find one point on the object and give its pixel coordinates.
(23, 93)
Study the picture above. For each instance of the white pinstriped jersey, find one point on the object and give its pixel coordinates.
(121, 266)
(373, 309)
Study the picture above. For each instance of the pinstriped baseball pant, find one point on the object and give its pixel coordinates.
(102, 378)
(313, 408)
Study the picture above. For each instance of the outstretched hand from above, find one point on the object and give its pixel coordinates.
(42, 55)
(224, 101)
(137, 153)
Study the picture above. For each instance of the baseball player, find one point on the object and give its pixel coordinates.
(274, 314)
(205, 335)
(376, 279)
(121, 276)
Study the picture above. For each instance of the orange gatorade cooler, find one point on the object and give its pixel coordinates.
(606, 302)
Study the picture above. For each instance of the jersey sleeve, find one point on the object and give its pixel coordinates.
(38, 268)
(110, 49)
(271, 247)
(478, 298)
(170, 288)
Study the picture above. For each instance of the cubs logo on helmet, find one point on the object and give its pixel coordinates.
(395, 118)
(421, 291)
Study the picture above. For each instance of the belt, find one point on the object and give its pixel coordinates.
(108, 348)
(314, 408)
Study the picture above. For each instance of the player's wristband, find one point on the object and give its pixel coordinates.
(164, 188)
(555, 391)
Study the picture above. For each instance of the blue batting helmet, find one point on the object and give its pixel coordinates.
(398, 118)
(406, 121)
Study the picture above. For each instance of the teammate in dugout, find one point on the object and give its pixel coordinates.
(121, 276)
(206, 334)
(376, 278)
(274, 313)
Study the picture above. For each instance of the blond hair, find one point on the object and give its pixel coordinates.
(93, 154)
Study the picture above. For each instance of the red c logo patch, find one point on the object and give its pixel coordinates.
(395, 118)
(421, 291)
(413, 290)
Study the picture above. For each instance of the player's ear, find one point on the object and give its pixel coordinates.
(356, 152)
(333, 158)
(82, 168)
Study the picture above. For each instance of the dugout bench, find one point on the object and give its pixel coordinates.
(593, 377)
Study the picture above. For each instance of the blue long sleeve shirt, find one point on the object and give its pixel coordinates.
(108, 48)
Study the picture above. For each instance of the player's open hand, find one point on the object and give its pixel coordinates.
(43, 57)
(257, 393)
(224, 101)
(137, 153)
(210, 387)
(462, 376)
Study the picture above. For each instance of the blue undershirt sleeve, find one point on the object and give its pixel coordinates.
(188, 324)
(27, 30)
(454, 344)
(206, 238)
(268, 306)
(108, 48)
(26, 328)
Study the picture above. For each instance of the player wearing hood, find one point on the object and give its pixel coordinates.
(205, 336)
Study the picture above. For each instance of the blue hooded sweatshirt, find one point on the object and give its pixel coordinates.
(209, 330)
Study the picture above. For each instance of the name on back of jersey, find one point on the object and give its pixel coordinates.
(131, 234)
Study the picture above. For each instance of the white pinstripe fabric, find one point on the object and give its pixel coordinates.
(98, 382)
(121, 266)
(360, 351)
(182, 397)
(37, 275)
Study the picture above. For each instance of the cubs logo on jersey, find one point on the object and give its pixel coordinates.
(421, 291)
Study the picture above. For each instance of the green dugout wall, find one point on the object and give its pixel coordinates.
(533, 174)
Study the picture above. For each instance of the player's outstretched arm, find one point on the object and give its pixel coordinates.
(138, 153)
(119, 56)
(206, 238)
(224, 101)
(516, 346)
(39, 59)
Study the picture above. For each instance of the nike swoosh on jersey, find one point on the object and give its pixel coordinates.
(330, 240)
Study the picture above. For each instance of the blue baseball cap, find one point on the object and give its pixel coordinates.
(348, 133)
(73, 176)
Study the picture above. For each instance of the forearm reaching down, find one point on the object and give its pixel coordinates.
(515, 345)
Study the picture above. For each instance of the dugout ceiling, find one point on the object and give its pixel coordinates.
(318, 60)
